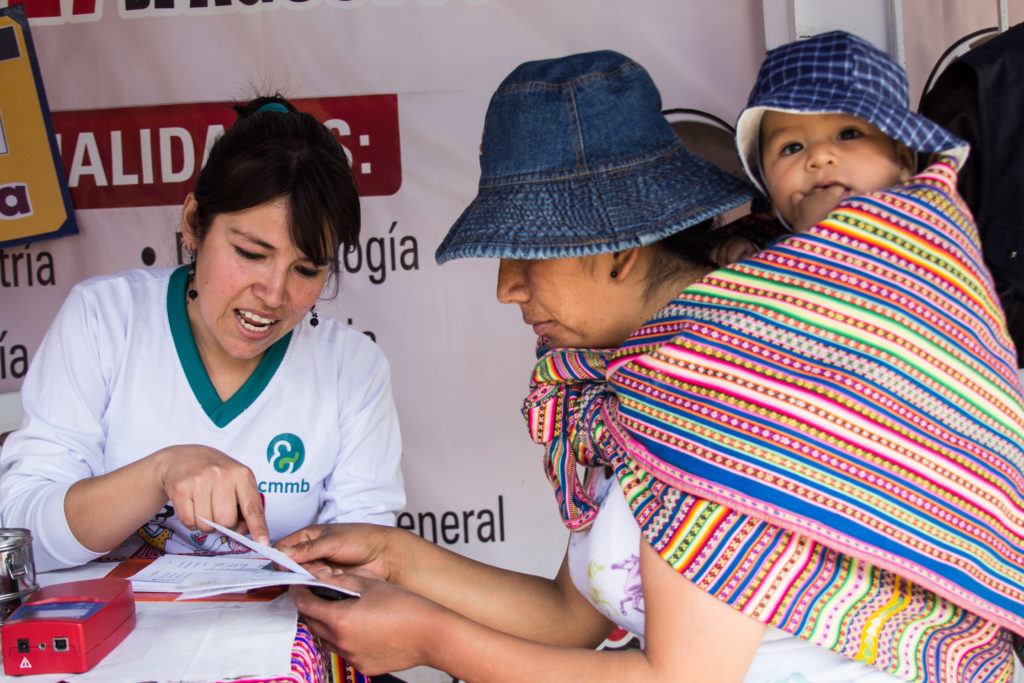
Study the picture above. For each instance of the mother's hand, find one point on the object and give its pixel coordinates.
(366, 546)
(385, 629)
(203, 482)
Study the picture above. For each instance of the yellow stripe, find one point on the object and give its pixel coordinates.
(898, 601)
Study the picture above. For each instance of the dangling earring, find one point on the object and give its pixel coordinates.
(315, 319)
(192, 293)
(615, 274)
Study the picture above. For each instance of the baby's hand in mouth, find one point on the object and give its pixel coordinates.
(818, 204)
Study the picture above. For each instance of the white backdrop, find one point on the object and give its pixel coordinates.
(460, 360)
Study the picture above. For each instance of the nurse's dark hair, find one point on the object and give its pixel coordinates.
(274, 151)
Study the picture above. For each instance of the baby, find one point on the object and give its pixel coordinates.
(828, 118)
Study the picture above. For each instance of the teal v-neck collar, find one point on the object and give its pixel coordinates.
(220, 412)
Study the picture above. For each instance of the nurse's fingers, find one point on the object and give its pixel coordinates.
(250, 502)
(224, 505)
(203, 498)
(192, 502)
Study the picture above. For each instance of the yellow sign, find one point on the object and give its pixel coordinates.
(34, 199)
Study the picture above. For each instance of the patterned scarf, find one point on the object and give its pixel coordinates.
(827, 436)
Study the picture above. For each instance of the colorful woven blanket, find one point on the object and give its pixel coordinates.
(828, 436)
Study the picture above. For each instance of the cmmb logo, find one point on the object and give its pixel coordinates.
(286, 453)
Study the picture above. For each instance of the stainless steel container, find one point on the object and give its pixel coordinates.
(17, 569)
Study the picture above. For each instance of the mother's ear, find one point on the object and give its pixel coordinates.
(624, 263)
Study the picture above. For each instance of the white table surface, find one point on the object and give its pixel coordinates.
(189, 641)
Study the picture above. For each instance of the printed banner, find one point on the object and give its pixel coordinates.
(151, 156)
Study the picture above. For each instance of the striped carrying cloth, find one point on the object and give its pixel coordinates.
(828, 436)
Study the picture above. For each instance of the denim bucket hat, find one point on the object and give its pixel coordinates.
(577, 159)
(837, 73)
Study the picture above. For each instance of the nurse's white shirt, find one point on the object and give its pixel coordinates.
(118, 377)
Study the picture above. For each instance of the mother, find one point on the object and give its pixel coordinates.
(729, 427)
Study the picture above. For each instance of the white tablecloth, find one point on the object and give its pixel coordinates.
(189, 641)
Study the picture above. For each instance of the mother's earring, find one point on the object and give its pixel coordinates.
(614, 274)
(314, 319)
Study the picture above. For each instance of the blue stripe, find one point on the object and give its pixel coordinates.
(740, 557)
(759, 491)
(787, 615)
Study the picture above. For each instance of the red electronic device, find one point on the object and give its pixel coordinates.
(67, 627)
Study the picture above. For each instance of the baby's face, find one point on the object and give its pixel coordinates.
(811, 162)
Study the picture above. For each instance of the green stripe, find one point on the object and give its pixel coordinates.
(221, 413)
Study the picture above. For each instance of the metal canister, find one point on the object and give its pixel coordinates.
(17, 569)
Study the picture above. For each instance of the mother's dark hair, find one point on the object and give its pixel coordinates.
(694, 248)
(682, 251)
(271, 154)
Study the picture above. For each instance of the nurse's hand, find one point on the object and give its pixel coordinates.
(203, 482)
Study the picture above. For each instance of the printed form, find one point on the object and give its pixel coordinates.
(199, 576)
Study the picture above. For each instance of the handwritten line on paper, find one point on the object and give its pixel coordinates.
(168, 573)
(264, 550)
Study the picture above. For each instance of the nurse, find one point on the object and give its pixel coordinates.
(163, 397)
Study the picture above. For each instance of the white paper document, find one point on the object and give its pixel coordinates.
(172, 573)
(199, 576)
